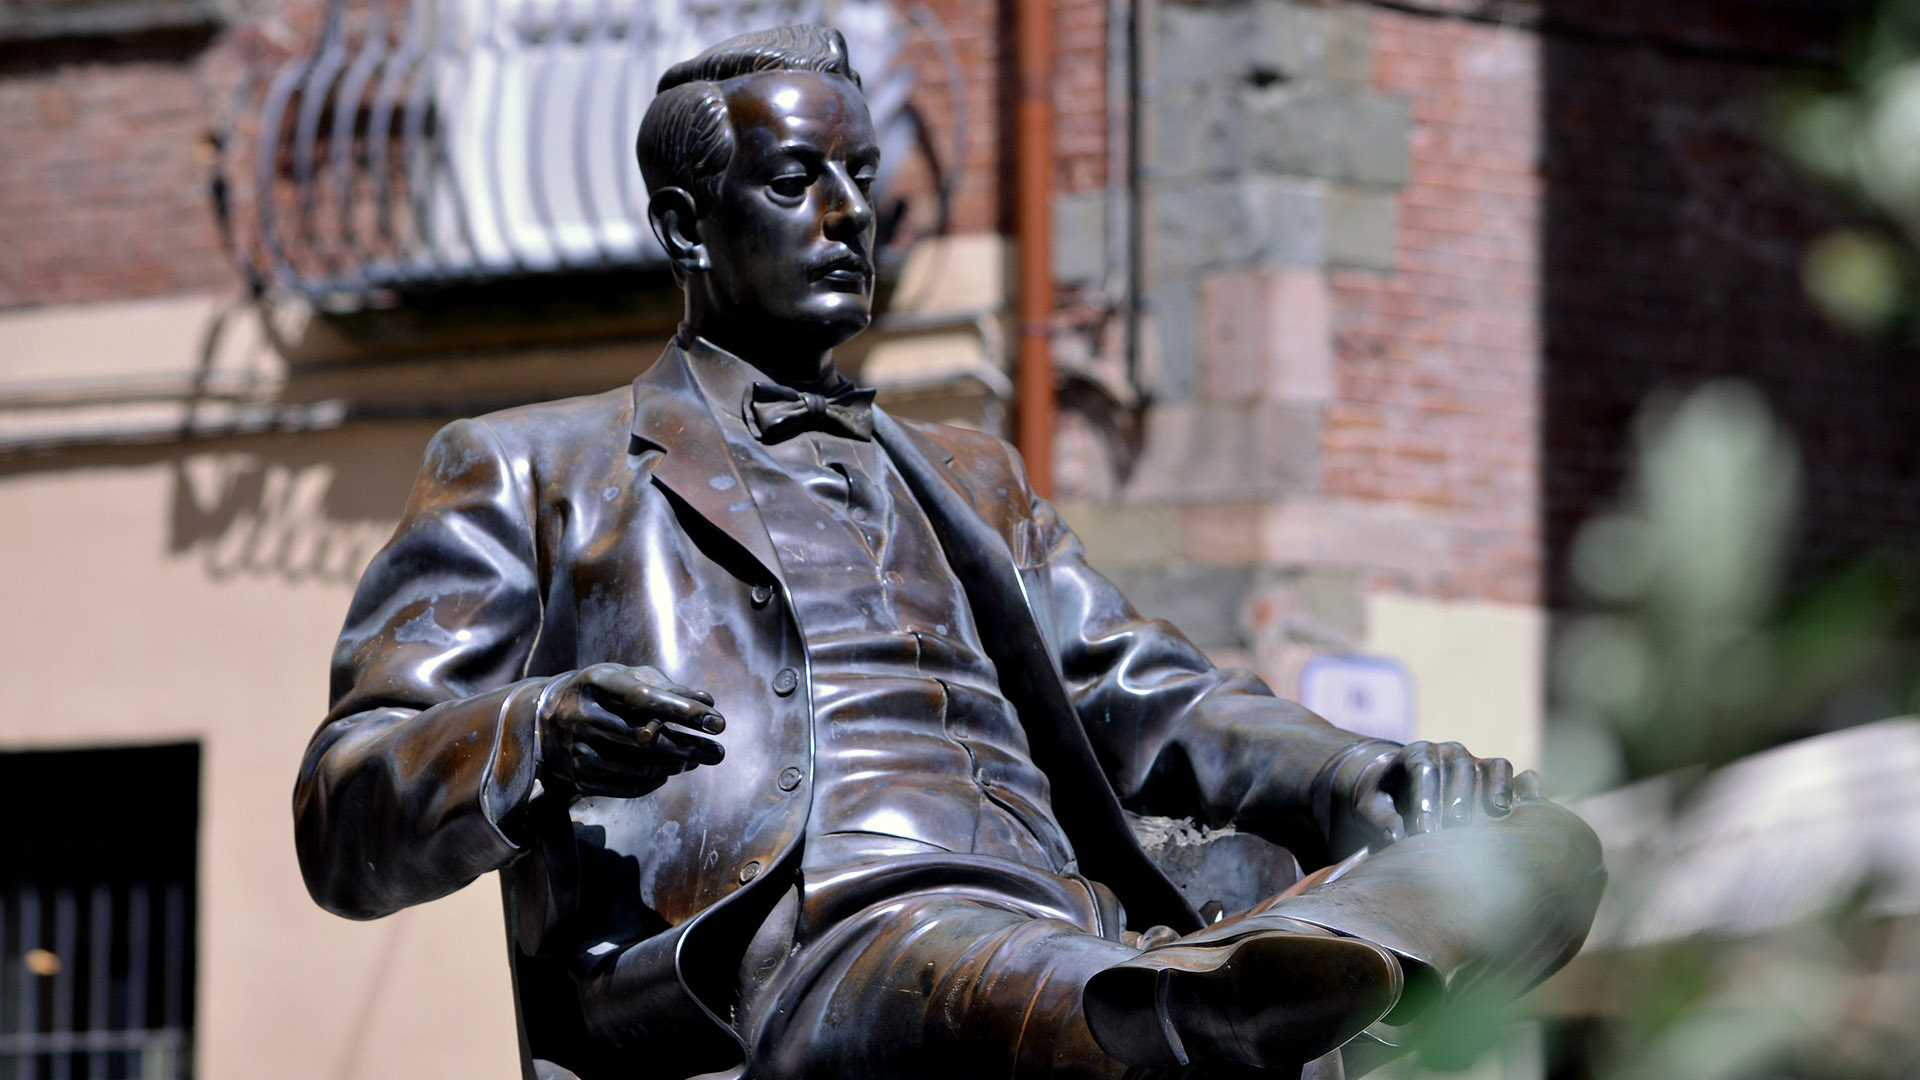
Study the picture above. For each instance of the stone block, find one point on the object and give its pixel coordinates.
(1324, 606)
(1356, 138)
(1201, 225)
(1233, 362)
(1172, 317)
(1220, 224)
(1377, 153)
(1120, 536)
(1363, 229)
(1288, 42)
(1286, 221)
(1079, 237)
(1267, 336)
(1203, 601)
(1203, 451)
(1349, 59)
(1296, 131)
(1199, 43)
(1222, 532)
(1391, 538)
(965, 272)
(1197, 131)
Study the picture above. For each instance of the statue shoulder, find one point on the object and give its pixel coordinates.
(970, 451)
(566, 429)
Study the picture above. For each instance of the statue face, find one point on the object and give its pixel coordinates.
(790, 237)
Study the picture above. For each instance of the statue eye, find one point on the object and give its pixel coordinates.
(864, 179)
(789, 185)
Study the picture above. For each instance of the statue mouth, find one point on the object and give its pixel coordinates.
(848, 272)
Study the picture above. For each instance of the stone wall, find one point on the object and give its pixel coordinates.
(1343, 373)
(1414, 267)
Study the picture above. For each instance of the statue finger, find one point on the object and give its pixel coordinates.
(1381, 818)
(1461, 773)
(652, 744)
(638, 700)
(1420, 792)
(1496, 785)
(688, 747)
(602, 733)
(653, 676)
(655, 742)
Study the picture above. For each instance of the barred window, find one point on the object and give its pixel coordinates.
(97, 871)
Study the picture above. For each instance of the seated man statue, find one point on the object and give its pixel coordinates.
(903, 851)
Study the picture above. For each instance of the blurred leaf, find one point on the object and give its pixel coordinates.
(1689, 658)
(1818, 130)
(1840, 624)
(1857, 278)
(1886, 149)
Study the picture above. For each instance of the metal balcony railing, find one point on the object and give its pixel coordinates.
(438, 143)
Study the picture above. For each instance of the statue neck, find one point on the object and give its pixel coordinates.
(780, 354)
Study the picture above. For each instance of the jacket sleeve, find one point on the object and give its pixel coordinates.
(1174, 734)
(431, 740)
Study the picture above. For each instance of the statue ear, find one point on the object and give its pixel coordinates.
(676, 224)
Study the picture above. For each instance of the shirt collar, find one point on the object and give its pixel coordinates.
(727, 381)
(724, 378)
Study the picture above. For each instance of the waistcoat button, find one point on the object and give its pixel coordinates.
(762, 594)
(790, 778)
(786, 681)
(750, 871)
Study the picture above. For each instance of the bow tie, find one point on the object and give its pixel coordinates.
(781, 412)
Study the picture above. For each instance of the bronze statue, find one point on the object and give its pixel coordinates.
(801, 734)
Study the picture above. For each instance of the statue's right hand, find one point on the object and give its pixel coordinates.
(622, 731)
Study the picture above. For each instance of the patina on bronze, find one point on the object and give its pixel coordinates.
(801, 734)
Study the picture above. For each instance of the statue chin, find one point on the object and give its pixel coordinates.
(831, 319)
(799, 339)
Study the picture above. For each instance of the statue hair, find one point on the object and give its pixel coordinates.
(686, 138)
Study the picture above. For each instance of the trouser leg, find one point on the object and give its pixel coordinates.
(932, 987)
(1493, 906)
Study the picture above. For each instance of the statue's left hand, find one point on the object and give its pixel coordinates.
(1421, 787)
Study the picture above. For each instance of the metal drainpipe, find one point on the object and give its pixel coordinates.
(1116, 280)
(1146, 92)
(1033, 216)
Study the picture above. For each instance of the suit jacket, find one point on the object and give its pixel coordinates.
(619, 527)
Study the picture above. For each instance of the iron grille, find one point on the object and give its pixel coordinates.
(436, 143)
(97, 914)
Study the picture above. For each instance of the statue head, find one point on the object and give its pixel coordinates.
(758, 156)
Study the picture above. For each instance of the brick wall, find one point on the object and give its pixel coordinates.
(103, 183)
(1398, 155)
(982, 38)
(1672, 240)
(1589, 212)
(1437, 361)
(103, 188)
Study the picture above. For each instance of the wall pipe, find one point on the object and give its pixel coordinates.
(1145, 100)
(1033, 217)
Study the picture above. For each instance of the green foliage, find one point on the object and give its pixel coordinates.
(1692, 655)
(1688, 655)
(1857, 127)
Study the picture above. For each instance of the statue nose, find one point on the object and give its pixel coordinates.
(851, 213)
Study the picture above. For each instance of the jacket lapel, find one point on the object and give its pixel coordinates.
(670, 416)
(1029, 675)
